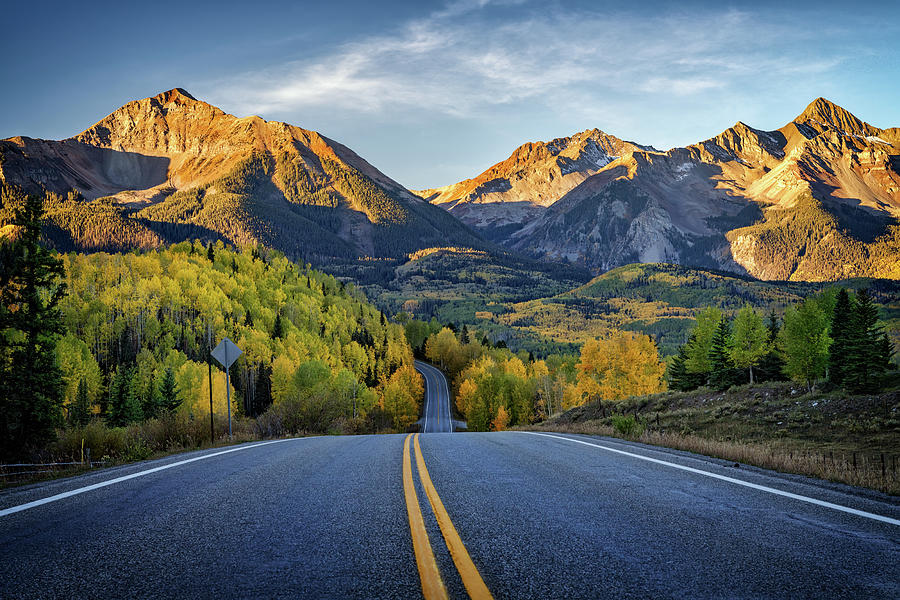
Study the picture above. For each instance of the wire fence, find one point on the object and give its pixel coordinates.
(13, 470)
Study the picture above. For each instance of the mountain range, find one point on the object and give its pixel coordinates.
(171, 167)
(817, 199)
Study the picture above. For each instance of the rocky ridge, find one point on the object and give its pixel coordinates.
(817, 199)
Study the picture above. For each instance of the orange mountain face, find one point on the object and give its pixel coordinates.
(817, 199)
(172, 160)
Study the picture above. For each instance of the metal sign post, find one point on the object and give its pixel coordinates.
(226, 353)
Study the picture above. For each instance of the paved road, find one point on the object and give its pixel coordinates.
(538, 516)
(508, 515)
(436, 417)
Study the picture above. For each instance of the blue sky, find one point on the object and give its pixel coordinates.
(431, 93)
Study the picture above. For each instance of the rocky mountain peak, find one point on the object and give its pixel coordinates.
(174, 95)
(823, 112)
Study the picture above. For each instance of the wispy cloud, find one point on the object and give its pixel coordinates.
(469, 82)
(457, 63)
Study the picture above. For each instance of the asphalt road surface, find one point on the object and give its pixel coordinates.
(436, 417)
(508, 515)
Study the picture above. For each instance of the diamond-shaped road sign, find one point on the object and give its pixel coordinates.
(226, 352)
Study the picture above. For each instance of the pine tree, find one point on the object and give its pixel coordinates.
(677, 372)
(841, 337)
(464, 335)
(31, 385)
(210, 252)
(720, 375)
(168, 392)
(125, 404)
(152, 404)
(771, 367)
(868, 350)
(80, 411)
(278, 328)
(263, 389)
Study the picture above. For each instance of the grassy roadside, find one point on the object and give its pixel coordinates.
(829, 435)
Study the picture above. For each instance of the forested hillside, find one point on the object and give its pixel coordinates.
(661, 300)
(131, 317)
(136, 330)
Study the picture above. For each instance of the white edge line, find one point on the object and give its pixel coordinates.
(75, 492)
(846, 509)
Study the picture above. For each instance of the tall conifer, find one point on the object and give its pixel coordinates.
(31, 385)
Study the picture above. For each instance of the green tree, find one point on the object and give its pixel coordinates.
(771, 367)
(720, 373)
(804, 341)
(168, 391)
(841, 334)
(749, 340)
(125, 404)
(31, 383)
(80, 411)
(278, 328)
(867, 349)
(698, 352)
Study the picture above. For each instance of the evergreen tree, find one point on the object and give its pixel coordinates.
(771, 366)
(263, 390)
(210, 252)
(31, 385)
(868, 350)
(152, 404)
(248, 319)
(841, 337)
(125, 405)
(720, 375)
(464, 335)
(278, 329)
(80, 411)
(677, 372)
(168, 392)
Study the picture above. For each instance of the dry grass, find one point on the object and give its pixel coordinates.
(877, 471)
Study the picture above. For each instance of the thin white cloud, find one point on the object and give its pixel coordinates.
(455, 63)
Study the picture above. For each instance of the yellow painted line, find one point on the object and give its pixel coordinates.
(467, 570)
(432, 585)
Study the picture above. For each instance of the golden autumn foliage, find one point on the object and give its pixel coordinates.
(501, 420)
(620, 365)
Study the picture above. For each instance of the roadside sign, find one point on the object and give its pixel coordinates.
(226, 353)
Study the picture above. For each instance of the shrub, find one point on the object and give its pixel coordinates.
(627, 425)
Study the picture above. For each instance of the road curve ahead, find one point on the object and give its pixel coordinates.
(479, 515)
(437, 417)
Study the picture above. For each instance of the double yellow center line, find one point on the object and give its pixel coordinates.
(432, 584)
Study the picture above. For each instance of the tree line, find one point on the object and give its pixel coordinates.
(495, 388)
(835, 336)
